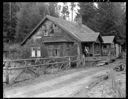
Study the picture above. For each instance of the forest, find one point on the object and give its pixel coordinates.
(19, 18)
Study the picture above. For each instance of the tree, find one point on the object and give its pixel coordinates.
(104, 19)
(9, 20)
(65, 11)
(52, 9)
(48, 9)
(30, 15)
(6, 21)
(87, 11)
(19, 18)
(73, 5)
(43, 9)
(28, 18)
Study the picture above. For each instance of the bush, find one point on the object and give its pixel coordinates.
(24, 52)
(16, 51)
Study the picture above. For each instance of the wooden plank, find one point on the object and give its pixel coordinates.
(40, 64)
(28, 69)
(12, 68)
(24, 70)
(35, 59)
(36, 65)
(19, 75)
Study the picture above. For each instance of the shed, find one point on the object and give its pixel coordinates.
(110, 46)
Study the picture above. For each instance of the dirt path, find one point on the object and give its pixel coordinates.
(62, 86)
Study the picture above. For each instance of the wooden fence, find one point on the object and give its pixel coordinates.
(31, 65)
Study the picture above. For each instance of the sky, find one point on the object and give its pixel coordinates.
(75, 9)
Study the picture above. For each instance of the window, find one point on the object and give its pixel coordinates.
(45, 33)
(38, 52)
(54, 52)
(35, 52)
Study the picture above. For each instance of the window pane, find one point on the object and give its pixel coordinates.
(38, 53)
(33, 53)
(46, 33)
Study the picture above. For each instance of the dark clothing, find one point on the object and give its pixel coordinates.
(85, 54)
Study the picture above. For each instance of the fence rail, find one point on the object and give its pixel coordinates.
(27, 65)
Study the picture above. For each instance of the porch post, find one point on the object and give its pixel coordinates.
(93, 48)
(101, 49)
(79, 50)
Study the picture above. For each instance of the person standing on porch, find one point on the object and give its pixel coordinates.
(85, 51)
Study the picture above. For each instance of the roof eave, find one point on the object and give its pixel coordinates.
(46, 17)
(65, 30)
(24, 41)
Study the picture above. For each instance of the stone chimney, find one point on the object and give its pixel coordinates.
(79, 20)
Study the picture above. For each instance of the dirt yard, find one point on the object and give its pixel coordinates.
(80, 82)
(104, 88)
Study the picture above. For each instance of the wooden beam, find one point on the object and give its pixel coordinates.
(79, 52)
(100, 49)
(93, 48)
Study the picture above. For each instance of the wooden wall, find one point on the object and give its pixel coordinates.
(54, 32)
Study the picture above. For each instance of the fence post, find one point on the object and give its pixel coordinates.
(7, 73)
(83, 58)
(69, 59)
(78, 60)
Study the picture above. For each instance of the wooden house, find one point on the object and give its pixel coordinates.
(110, 46)
(62, 38)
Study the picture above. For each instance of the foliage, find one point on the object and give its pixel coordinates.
(22, 52)
(65, 11)
(9, 21)
(52, 9)
(108, 19)
(28, 18)
(19, 18)
(73, 5)
(16, 51)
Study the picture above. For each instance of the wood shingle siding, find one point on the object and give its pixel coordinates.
(59, 36)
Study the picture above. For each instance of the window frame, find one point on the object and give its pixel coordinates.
(53, 52)
(36, 49)
(45, 32)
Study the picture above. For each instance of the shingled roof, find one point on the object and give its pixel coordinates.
(108, 39)
(80, 32)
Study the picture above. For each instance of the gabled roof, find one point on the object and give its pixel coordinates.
(81, 32)
(108, 39)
